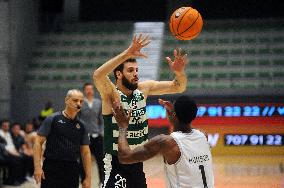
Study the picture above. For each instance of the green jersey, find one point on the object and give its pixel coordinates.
(137, 133)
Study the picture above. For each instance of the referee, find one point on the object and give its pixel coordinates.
(65, 138)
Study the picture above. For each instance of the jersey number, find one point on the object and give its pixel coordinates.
(201, 168)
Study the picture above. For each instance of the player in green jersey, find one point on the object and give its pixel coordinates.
(132, 94)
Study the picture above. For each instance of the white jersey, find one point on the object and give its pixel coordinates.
(194, 167)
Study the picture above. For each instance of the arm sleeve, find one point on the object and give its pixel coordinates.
(85, 139)
(45, 127)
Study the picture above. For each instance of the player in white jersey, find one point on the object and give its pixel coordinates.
(186, 152)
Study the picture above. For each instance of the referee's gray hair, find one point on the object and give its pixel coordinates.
(72, 92)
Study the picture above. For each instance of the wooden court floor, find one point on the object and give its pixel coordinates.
(229, 171)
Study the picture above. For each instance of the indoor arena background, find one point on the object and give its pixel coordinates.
(235, 72)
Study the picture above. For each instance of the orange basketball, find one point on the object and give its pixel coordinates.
(186, 23)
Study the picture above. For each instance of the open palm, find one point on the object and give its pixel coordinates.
(137, 44)
(178, 65)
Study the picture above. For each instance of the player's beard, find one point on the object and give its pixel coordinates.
(126, 83)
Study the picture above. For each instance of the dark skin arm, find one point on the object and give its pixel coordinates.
(163, 144)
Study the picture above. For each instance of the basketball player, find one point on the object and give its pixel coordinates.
(186, 152)
(133, 95)
(66, 138)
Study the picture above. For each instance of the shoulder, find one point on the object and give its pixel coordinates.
(54, 115)
(1, 132)
(139, 94)
(200, 133)
(50, 119)
(163, 140)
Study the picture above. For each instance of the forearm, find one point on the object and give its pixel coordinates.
(140, 153)
(87, 162)
(110, 65)
(180, 81)
(37, 155)
(123, 146)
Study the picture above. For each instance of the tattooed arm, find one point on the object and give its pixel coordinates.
(178, 85)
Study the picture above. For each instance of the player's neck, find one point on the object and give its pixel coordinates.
(124, 90)
(183, 128)
(69, 113)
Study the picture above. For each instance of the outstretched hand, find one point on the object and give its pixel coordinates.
(168, 106)
(178, 65)
(134, 50)
(120, 116)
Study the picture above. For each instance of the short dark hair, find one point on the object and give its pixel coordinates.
(16, 123)
(4, 121)
(185, 109)
(87, 84)
(121, 66)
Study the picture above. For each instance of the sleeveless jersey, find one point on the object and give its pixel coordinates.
(137, 133)
(194, 167)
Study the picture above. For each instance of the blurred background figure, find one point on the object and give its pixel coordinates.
(23, 149)
(91, 116)
(12, 157)
(47, 111)
(30, 134)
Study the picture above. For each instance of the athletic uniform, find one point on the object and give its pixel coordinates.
(63, 140)
(194, 167)
(131, 175)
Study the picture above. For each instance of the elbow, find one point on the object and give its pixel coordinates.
(96, 75)
(181, 89)
(123, 159)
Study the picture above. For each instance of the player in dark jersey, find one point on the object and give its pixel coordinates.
(133, 95)
(66, 138)
(186, 152)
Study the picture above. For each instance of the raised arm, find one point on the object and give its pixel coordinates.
(100, 75)
(177, 85)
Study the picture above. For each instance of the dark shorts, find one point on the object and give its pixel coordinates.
(123, 175)
(60, 174)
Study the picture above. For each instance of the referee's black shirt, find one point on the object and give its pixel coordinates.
(63, 137)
